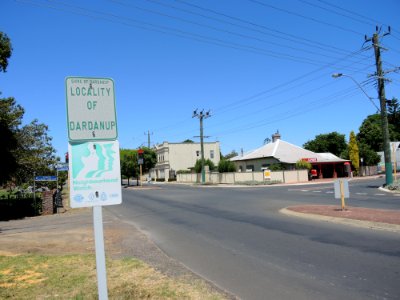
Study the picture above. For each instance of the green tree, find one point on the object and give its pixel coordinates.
(129, 167)
(370, 131)
(225, 166)
(354, 152)
(188, 141)
(26, 149)
(369, 156)
(129, 162)
(10, 119)
(233, 153)
(5, 51)
(150, 159)
(393, 110)
(36, 152)
(333, 142)
(207, 162)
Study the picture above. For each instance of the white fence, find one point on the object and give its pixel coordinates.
(246, 177)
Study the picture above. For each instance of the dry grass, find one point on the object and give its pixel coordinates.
(74, 277)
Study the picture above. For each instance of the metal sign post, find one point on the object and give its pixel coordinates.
(94, 164)
(342, 191)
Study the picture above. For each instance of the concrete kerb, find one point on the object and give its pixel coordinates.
(344, 221)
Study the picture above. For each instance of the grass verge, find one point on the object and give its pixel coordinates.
(74, 277)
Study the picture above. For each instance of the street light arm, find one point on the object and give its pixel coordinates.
(337, 75)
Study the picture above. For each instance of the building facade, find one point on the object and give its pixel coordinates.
(172, 157)
(325, 165)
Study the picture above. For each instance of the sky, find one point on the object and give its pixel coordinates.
(258, 66)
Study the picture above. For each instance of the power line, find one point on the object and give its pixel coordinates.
(177, 32)
(253, 98)
(305, 17)
(269, 42)
(337, 13)
(290, 37)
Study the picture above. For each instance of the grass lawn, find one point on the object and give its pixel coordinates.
(34, 276)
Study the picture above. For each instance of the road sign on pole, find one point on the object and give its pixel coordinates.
(95, 177)
(45, 178)
(91, 113)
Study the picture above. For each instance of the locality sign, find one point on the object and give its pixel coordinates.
(91, 113)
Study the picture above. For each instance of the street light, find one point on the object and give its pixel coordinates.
(337, 75)
(385, 129)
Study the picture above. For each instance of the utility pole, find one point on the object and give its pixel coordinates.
(202, 115)
(382, 99)
(148, 138)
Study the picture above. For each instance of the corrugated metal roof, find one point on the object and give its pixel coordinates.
(287, 153)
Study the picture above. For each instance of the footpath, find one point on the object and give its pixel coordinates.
(379, 219)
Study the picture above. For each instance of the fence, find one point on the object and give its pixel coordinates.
(245, 177)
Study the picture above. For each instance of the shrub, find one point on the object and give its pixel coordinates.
(303, 165)
(207, 162)
(183, 172)
(226, 166)
(277, 167)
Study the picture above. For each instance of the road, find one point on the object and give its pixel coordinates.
(237, 239)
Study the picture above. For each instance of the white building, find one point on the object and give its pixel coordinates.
(394, 155)
(326, 165)
(172, 157)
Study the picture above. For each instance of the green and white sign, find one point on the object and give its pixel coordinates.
(95, 177)
(91, 113)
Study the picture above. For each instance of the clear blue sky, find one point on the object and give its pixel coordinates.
(258, 65)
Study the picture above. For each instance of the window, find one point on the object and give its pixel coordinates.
(249, 168)
(197, 153)
(211, 154)
(265, 166)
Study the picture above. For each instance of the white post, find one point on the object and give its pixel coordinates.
(100, 253)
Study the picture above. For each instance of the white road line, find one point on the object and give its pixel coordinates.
(316, 191)
(379, 195)
(330, 192)
(361, 194)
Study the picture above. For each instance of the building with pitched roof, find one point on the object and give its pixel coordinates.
(326, 165)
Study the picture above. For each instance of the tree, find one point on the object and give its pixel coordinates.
(333, 142)
(188, 141)
(35, 152)
(369, 156)
(233, 153)
(129, 167)
(370, 131)
(354, 152)
(150, 159)
(26, 149)
(10, 119)
(225, 166)
(5, 51)
(393, 110)
(207, 162)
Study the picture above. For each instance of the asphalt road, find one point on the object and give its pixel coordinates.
(237, 239)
